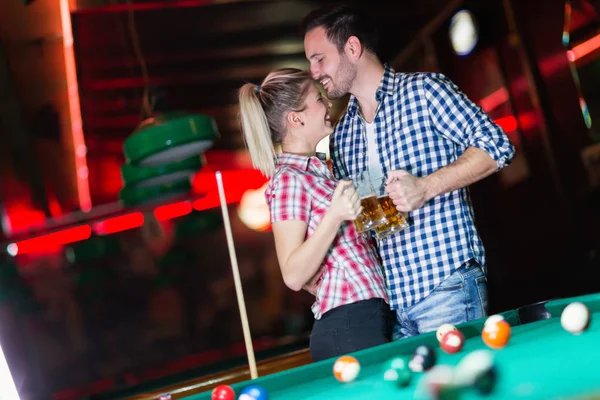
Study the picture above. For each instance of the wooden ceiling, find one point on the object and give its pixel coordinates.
(198, 53)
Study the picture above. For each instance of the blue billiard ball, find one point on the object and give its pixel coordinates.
(253, 392)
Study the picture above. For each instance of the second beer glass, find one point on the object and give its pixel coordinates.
(396, 221)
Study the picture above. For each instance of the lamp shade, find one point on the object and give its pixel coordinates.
(170, 137)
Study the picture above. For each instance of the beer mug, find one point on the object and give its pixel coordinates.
(396, 221)
(372, 214)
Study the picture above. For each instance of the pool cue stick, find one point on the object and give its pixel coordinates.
(236, 279)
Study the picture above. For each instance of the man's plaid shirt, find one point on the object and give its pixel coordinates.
(423, 123)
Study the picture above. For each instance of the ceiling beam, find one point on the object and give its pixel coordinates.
(131, 121)
(106, 7)
(278, 47)
(241, 74)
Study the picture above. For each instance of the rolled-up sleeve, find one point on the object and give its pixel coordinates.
(287, 198)
(458, 119)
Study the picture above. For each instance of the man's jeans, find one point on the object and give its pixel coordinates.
(460, 298)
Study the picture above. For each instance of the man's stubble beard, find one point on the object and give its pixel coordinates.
(346, 75)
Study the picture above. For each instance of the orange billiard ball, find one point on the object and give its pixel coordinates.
(346, 369)
(496, 332)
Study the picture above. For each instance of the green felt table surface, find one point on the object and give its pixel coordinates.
(541, 361)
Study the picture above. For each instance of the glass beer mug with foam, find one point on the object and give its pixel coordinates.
(396, 221)
(372, 215)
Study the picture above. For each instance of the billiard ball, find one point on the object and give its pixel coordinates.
(496, 333)
(223, 392)
(475, 367)
(438, 383)
(346, 369)
(452, 341)
(398, 372)
(493, 320)
(422, 359)
(253, 392)
(442, 330)
(575, 318)
(485, 381)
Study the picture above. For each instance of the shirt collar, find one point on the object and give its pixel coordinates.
(386, 86)
(297, 160)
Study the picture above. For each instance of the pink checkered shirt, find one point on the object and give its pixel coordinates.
(301, 189)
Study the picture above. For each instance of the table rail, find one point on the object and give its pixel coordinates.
(238, 374)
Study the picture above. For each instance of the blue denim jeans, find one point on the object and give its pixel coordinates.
(460, 298)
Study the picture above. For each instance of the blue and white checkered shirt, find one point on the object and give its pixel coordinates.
(423, 123)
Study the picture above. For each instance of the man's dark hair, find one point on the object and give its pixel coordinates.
(340, 23)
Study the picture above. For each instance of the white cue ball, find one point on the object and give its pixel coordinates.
(575, 318)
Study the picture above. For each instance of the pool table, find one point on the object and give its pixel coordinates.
(541, 361)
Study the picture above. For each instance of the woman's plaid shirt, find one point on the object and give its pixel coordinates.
(301, 189)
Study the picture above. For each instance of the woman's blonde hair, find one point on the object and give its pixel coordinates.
(264, 109)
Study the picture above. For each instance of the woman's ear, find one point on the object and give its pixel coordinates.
(295, 119)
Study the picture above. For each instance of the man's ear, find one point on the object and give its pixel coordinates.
(353, 48)
(295, 119)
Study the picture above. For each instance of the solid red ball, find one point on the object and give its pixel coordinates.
(223, 392)
(452, 342)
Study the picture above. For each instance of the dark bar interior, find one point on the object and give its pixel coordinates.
(108, 294)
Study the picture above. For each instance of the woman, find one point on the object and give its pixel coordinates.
(317, 245)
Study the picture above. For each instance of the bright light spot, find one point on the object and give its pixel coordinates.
(83, 172)
(12, 249)
(9, 391)
(81, 150)
(253, 209)
(463, 32)
(586, 112)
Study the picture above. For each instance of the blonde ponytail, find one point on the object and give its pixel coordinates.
(255, 128)
(263, 111)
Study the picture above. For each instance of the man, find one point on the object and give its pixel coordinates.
(431, 142)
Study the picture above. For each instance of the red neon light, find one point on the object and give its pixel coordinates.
(236, 182)
(79, 149)
(494, 99)
(155, 5)
(51, 240)
(119, 224)
(212, 200)
(508, 124)
(174, 210)
(584, 48)
(527, 120)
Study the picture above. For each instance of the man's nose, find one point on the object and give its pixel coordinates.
(314, 72)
